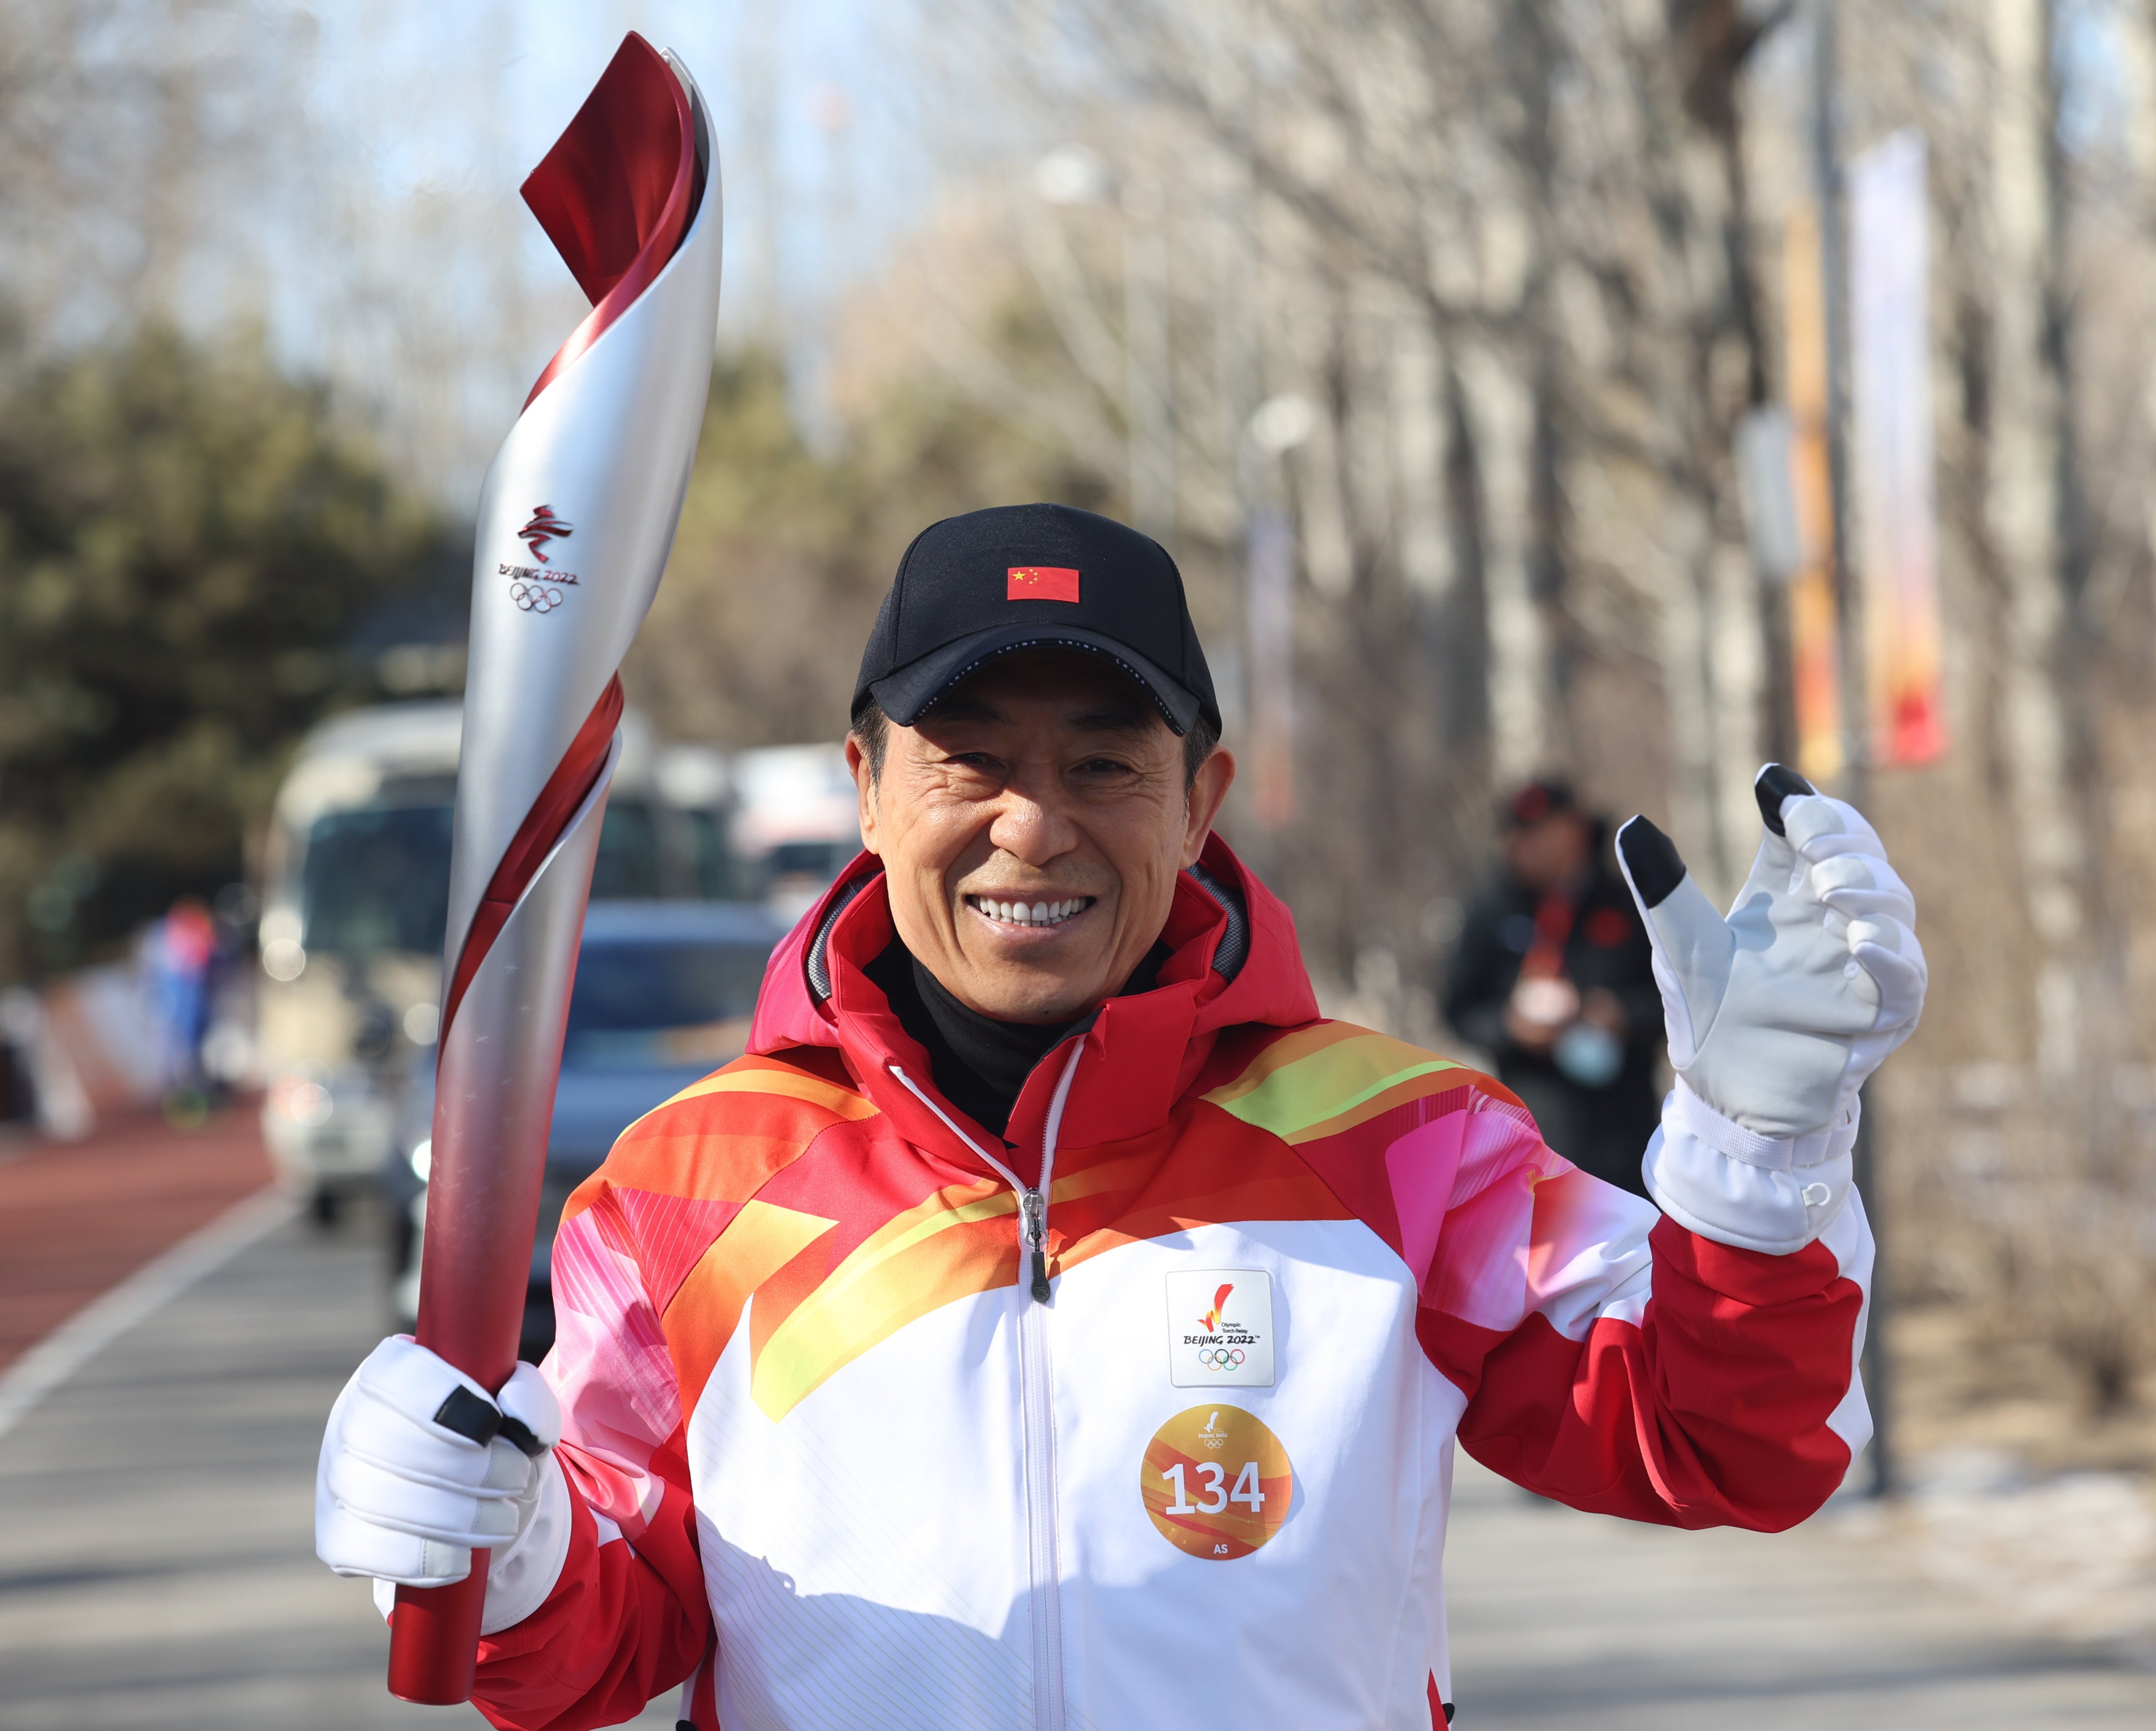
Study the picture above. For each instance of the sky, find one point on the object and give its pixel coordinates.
(442, 299)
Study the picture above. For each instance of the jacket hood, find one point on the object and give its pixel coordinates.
(1234, 959)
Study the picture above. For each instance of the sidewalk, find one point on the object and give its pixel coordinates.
(77, 1218)
(1561, 1620)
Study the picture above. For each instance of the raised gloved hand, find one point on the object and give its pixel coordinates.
(1777, 1014)
(420, 1466)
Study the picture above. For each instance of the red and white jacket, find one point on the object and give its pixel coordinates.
(827, 1458)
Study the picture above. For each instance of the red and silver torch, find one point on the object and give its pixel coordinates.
(575, 521)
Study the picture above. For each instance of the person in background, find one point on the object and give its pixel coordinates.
(1553, 976)
(180, 949)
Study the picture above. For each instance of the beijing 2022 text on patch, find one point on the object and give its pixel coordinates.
(1221, 1328)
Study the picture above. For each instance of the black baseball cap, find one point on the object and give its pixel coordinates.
(975, 588)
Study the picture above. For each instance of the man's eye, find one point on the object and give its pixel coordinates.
(1103, 766)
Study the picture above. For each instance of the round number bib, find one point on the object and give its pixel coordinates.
(1216, 1483)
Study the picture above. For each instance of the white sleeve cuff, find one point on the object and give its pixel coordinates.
(1715, 1177)
(519, 1579)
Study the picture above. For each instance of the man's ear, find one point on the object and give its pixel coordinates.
(865, 787)
(1215, 776)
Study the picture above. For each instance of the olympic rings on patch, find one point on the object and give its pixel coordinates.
(1219, 1357)
(535, 598)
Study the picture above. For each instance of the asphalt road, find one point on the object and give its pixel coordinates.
(157, 1569)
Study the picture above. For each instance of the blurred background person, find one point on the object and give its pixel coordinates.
(1551, 977)
(178, 952)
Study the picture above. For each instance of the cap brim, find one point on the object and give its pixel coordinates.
(911, 692)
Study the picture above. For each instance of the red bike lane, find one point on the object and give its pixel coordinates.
(78, 1218)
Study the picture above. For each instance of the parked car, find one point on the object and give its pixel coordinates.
(796, 822)
(663, 995)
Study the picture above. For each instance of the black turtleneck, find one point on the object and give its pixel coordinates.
(980, 1064)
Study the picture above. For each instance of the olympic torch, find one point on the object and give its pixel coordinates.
(575, 521)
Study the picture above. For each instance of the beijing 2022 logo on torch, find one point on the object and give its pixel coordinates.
(1221, 1328)
(532, 589)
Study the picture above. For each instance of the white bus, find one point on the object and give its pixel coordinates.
(355, 898)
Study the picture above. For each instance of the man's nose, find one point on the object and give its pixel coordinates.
(1031, 824)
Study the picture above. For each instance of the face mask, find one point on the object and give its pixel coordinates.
(1588, 1055)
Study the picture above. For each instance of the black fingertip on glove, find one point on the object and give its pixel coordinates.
(516, 1430)
(1776, 783)
(471, 1418)
(1650, 861)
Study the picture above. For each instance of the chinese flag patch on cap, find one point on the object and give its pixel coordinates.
(1041, 583)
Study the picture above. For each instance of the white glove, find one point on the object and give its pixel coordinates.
(420, 1466)
(1775, 1016)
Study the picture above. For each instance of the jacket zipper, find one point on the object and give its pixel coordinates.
(1036, 1395)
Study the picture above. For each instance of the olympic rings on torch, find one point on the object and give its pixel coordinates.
(535, 598)
(1219, 1357)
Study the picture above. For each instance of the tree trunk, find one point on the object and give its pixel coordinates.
(2022, 517)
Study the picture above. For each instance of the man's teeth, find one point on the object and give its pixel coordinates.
(1031, 913)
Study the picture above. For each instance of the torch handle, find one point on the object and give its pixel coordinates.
(474, 1261)
(434, 1640)
(497, 1067)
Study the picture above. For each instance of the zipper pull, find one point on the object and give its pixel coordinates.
(1033, 1206)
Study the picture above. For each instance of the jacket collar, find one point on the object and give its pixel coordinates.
(1234, 959)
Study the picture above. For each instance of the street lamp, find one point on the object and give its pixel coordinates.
(1072, 174)
(1076, 174)
(1281, 424)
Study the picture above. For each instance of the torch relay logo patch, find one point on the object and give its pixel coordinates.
(1221, 1328)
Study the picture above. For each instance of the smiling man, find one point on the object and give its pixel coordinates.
(1054, 1321)
(1039, 816)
